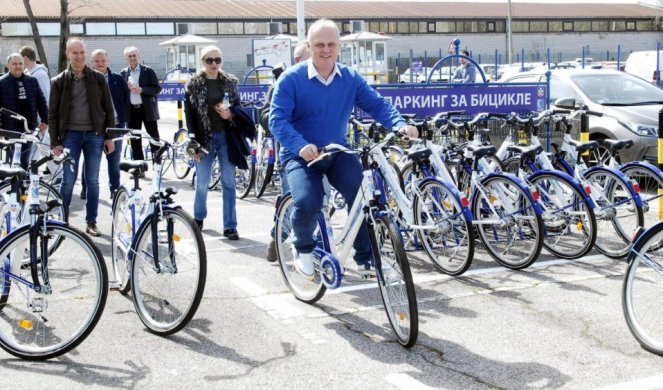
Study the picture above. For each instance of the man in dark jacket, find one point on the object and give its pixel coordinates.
(143, 106)
(79, 113)
(120, 94)
(21, 94)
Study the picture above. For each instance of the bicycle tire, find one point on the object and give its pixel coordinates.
(70, 312)
(450, 246)
(181, 161)
(244, 179)
(641, 290)
(649, 182)
(264, 170)
(301, 287)
(394, 280)
(121, 236)
(569, 221)
(46, 193)
(614, 233)
(162, 307)
(5, 283)
(499, 237)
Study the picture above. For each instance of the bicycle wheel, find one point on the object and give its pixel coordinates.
(181, 161)
(617, 215)
(216, 175)
(395, 280)
(46, 193)
(507, 223)
(41, 325)
(447, 239)
(263, 169)
(244, 179)
(641, 290)
(5, 282)
(166, 299)
(122, 233)
(649, 182)
(569, 221)
(304, 289)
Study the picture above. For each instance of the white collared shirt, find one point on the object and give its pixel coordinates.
(312, 72)
(135, 75)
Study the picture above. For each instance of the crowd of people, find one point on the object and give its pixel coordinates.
(306, 109)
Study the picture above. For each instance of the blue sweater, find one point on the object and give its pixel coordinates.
(305, 111)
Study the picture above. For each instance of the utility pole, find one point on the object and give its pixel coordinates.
(301, 22)
(509, 37)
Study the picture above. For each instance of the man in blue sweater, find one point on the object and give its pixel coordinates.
(310, 109)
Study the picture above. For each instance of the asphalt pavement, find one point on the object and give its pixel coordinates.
(556, 325)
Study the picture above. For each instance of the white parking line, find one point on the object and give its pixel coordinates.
(404, 381)
(651, 383)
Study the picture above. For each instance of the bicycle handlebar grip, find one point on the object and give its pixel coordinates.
(117, 131)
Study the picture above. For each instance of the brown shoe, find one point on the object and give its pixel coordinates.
(92, 229)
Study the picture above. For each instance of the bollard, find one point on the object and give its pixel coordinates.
(180, 115)
(660, 162)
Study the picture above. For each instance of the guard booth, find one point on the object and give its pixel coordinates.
(183, 52)
(366, 52)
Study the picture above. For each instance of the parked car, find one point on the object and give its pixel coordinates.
(629, 105)
(516, 68)
(643, 64)
(490, 72)
(441, 75)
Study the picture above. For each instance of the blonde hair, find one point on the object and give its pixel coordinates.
(208, 49)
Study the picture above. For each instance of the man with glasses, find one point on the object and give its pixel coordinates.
(143, 106)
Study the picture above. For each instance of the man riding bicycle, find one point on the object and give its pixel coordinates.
(310, 109)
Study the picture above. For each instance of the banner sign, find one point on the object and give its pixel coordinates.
(247, 93)
(428, 101)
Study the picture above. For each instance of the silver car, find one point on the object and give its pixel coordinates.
(629, 105)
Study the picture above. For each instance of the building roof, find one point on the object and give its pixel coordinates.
(286, 9)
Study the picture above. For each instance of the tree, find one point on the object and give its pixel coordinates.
(64, 35)
(35, 33)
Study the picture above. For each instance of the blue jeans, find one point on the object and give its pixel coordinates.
(91, 145)
(344, 173)
(113, 161)
(204, 167)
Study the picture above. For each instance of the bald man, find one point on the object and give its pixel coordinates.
(80, 111)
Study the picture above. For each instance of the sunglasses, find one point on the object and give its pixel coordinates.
(209, 61)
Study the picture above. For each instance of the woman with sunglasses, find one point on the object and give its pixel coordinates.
(210, 122)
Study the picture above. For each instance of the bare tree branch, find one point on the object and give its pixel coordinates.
(35, 33)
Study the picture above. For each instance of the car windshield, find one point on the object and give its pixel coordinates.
(618, 89)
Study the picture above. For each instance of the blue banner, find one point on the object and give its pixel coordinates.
(429, 100)
(172, 91)
(247, 93)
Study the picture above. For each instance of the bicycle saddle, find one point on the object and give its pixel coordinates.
(614, 145)
(138, 166)
(526, 152)
(482, 151)
(8, 173)
(419, 155)
(584, 146)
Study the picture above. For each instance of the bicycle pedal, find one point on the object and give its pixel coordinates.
(114, 286)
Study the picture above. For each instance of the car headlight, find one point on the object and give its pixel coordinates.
(641, 129)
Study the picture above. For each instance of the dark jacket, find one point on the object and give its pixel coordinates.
(119, 91)
(149, 81)
(99, 99)
(264, 112)
(196, 110)
(8, 94)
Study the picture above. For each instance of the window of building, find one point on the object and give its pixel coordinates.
(423, 27)
(470, 27)
(393, 28)
(182, 28)
(431, 27)
(630, 26)
(205, 28)
(230, 28)
(100, 28)
(617, 26)
(460, 27)
(490, 26)
(256, 28)
(130, 28)
(500, 26)
(644, 25)
(538, 26)
(582, 25)
(520, 26)
(600, 25)
(567, 26)
(76, 29)
(374, 27)
(16, 29)
(414, 27)
(160, 28)
(403, 27)
(445, 27)
(293, 28)
(384, 27)
(481, 27)
(345, 30)
(554, 26)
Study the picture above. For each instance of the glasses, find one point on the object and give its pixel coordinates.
(209, 61)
